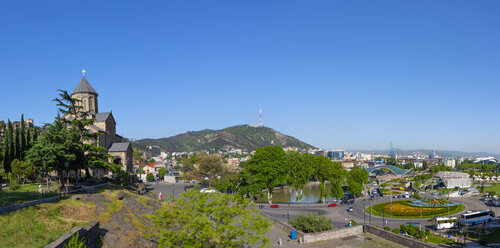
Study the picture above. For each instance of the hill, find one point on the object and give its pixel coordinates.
(243, 137)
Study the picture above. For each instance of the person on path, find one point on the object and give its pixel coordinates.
(160, 197)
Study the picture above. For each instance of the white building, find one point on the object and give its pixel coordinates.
(449, 162)
(454, 179)
(418, 165)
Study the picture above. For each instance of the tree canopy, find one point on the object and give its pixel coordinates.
(198, 219)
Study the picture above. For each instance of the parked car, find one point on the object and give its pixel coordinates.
(332, 205)
(274, 206)
(207, 190)
(350, 209)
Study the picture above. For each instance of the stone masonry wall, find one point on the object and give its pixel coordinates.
(397, 238)
(90, 233)
(332, 234)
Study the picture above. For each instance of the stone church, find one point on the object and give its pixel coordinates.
(104, 124)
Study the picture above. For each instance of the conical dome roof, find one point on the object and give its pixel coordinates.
(84, 87)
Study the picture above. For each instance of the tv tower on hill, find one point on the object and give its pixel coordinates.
(260, 115)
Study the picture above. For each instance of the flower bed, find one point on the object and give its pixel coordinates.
(404, 209)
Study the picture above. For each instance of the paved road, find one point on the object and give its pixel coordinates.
(341, 216)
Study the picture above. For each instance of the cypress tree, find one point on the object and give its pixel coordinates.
(28, 139)
(8, 148)
(22, 139)
(2, 126)
(35, 135)
(17, 145)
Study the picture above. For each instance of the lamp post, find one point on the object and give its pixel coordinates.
(173, 193)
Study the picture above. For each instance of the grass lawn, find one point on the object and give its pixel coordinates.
(27, 192)
(495, 187)
(432, 238)
(39, 225)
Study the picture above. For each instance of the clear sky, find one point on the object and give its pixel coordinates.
(336, 74)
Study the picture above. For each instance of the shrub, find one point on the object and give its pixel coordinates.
(412, 230)
(150, 177)
(312, 222)
(427, 231)
(387, 228)
(421, 234)
(13, 185)
(75, 242)
(396, 231)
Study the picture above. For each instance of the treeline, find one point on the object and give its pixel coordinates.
(16, 142)
(271, 167)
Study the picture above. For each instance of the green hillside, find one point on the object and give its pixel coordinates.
(243, 137)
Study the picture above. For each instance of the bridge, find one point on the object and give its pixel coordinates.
(396, 170)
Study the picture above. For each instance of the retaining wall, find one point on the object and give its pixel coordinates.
(332, 234)
(398, 238)
(10, 208)
(90, 233)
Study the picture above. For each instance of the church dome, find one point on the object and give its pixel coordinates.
(84, 87)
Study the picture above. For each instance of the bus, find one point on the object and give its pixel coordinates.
(477, 217)
(445, 222)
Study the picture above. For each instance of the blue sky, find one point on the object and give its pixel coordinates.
(336, 74)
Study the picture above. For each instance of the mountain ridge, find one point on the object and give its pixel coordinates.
(245, 137)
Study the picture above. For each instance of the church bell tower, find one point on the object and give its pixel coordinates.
(87, 95)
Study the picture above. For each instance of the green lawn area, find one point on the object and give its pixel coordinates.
(495, 187)
(27, 192)
(493, 237)
(432, 238)
(39, 225)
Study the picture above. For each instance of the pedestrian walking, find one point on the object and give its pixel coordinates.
(160, 196)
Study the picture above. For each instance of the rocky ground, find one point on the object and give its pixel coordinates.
(123, 216)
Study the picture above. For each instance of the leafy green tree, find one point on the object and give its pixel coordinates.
(21, 169)
(162, 172)
(210, 220)
(324, 169)
(140, 171)
(209, 166)
(299, 167)
(269, 168)
(59, 144)
(354, 187)
(150, 177)
(246, 186)
(336, 190)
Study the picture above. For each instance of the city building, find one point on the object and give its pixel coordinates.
(450, 162)
(454, 179)
(336, 154)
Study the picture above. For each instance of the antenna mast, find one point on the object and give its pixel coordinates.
(260, 115)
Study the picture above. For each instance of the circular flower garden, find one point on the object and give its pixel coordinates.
(415, 209)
